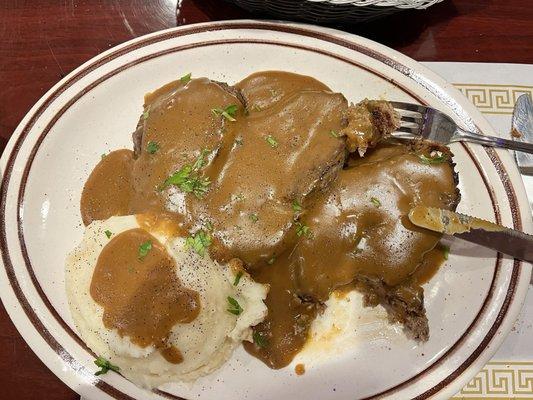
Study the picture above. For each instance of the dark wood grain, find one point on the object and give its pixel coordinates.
(43, 40)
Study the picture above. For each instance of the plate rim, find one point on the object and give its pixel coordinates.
(420, 74)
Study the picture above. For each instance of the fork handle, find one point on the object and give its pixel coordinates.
(462, 135)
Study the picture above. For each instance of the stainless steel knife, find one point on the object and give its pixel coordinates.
(522, 130)
(505, 240)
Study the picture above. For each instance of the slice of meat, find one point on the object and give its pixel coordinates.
(176, 126)
(278, 156)
(404, 304)
(369, 122)
(360, 228)
(263, 89)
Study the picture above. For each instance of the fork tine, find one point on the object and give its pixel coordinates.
(413, 130)
(408, 106)
(416, 120)
(410, 125)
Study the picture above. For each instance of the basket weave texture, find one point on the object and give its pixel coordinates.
(383, 3)
(331, 11)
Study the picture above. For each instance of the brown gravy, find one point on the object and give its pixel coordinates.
(108, 190)
(172, 354)
(141, 295)
(178, 118)
(254, 182)
(282, 149)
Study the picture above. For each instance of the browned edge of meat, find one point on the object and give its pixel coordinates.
(369, 122)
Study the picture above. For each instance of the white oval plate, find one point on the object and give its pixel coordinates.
(471, 303)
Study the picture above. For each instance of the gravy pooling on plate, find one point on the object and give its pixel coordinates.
(272, 171)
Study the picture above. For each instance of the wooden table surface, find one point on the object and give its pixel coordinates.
(43, 40)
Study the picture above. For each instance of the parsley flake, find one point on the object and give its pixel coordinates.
(144, 248)
(271, 261)
(271, 141)
(334, 134)
(436, 157)
(152, 147)
(108, 233)
(199, 242)
(376, 202)
(186, 78)
(146, 113)
(103, 155)
(259, 339)
(234, 306)
(228, 112)
(237, 278)
(104, 366)
(201, 160)
(296, 206)
(188, 179)
(302, 230)
(445, 252)
(254, 217)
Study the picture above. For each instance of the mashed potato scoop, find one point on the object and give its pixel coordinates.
(227, 302)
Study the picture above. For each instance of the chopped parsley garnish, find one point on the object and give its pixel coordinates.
(271, 141)
(238, 142)
(436, 157)
(234, 306)
(103, 155)
(188, 179)
(333, 134)
(104, 366)
(445, 252)
(108, 233)
(208, 225)
(259, 339)
(376, 202)
(199, 242)
(186, 78)
(146, 113)
(228, 112)
(200, 161)
(254, 217)
(271, 261)
(237, 278)
(144, 248)
(302, 229)
(296, 206)
(152, 147)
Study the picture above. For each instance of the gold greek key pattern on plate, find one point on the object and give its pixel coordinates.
(501, 380)
(493, 99)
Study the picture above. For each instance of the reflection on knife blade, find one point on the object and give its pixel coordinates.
(522, 130)
(508, 241)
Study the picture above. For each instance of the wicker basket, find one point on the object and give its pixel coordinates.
(331, 11)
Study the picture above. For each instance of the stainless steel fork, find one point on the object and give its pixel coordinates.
(426, 122)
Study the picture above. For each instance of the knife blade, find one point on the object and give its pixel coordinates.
(505, 240)
(522, 130)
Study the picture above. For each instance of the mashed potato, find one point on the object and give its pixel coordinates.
(205, 343)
